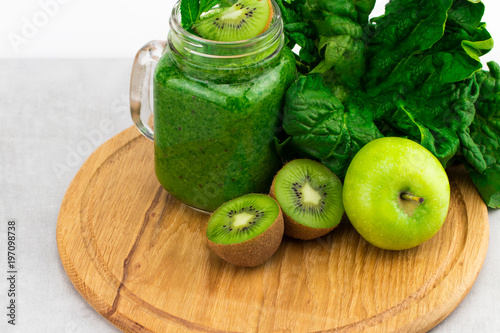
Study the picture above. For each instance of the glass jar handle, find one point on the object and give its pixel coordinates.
(140, 84)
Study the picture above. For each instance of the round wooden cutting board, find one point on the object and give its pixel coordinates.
(140, 258)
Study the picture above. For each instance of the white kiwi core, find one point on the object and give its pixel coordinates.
(310, 195)
(242, 219)
(233, 15)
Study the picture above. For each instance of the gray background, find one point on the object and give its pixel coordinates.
(54, 114)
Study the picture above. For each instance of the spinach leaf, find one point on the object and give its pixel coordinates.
(302, 34)
(407, 27)
(309, 109)
(299, 31)
(419, 79)
(321, 128)
(483, 162)
(189, 13)
(451, 30)
(329, 33)
(339, 25)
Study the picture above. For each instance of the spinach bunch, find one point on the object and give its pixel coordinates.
(413, 72)
(484, 133)
(330, 36)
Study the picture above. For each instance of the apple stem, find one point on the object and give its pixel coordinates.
(408, 196)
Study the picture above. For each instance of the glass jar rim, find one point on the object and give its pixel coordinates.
(276, 24)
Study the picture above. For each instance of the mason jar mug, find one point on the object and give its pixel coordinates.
(216, 111)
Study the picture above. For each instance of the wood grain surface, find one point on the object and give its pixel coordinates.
(140, 258)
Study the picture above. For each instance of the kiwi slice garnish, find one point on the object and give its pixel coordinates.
(246, 231)
(243, 20)
(310, 196)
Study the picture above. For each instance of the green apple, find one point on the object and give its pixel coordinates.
(396, 193)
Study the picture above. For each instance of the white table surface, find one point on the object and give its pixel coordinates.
(54, 114)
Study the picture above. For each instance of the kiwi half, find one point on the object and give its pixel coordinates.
(243, 20)
(246, 231)
(310, 196)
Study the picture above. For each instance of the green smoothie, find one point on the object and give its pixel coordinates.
(214, 132)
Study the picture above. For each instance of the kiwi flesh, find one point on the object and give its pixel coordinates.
(246, 231)
(310, 196)
(243, 20)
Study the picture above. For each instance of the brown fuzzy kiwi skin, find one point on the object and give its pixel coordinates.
(253, 252)
(296, 230)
